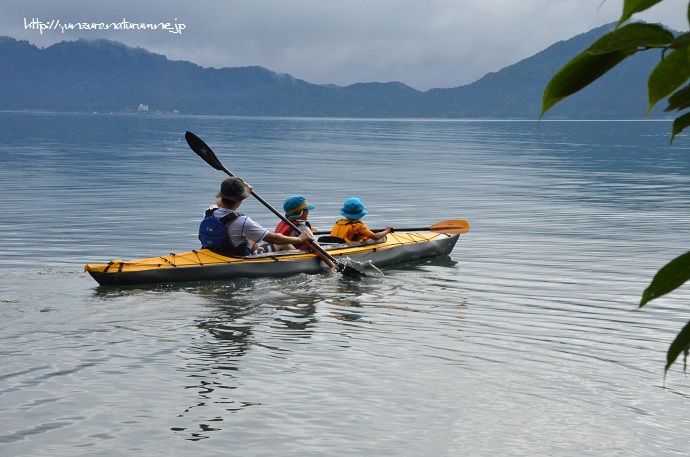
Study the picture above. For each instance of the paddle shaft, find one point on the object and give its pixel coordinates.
(404, 229)
(450, 228)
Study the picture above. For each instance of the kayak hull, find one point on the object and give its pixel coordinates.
(204, 265)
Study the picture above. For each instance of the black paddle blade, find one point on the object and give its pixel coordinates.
(202, 150)
(350, 272)
(356, 270)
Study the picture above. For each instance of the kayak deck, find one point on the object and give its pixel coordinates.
(203, 264)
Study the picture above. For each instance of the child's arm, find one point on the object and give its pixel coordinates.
(381, 234)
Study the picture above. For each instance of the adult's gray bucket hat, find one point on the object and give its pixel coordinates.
(234, 189)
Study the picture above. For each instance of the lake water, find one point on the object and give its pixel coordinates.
(525, 341)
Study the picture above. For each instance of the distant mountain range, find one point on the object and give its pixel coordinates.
(107, 76)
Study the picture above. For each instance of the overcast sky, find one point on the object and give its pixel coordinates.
(422, 43)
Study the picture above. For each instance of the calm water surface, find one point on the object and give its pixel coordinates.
(524, 341)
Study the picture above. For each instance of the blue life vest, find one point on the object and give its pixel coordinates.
(213, 235)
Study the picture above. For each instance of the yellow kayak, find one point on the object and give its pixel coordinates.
(203, 264)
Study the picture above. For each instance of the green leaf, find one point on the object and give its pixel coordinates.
(671, 276)
(681, 41)
(680, 100)
(680, 124)
(680, 344)
(632, 37)
(668, 76)
(631, 7)
(577, 74)
(604, 54)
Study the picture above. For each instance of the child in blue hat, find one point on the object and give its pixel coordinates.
(352, 228)
(297, 211)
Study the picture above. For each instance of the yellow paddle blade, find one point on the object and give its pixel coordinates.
(453, 226)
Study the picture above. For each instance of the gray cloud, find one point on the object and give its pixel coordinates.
(422, 43)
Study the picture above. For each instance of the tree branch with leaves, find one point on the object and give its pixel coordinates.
(668, 80)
